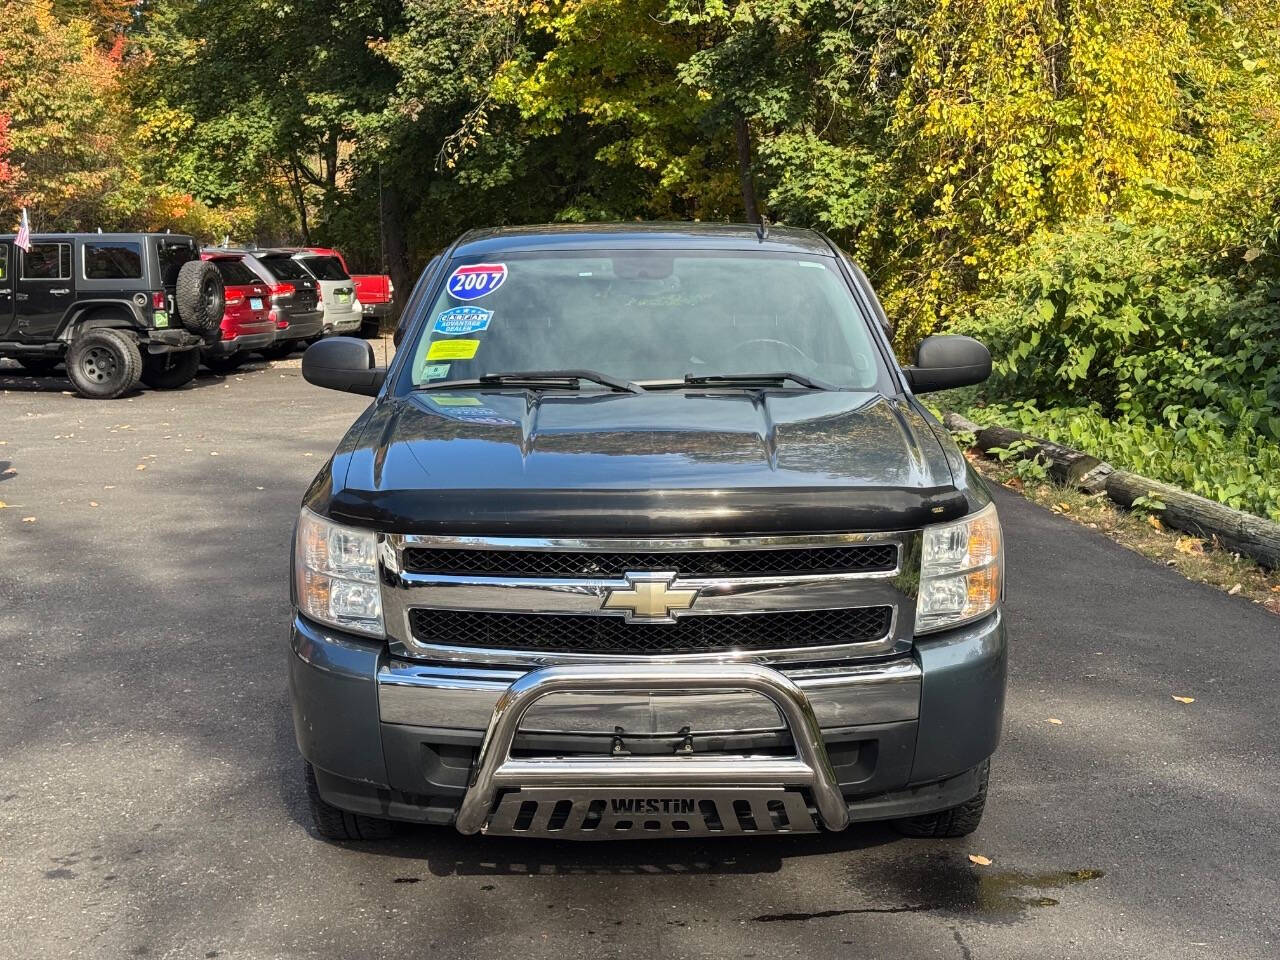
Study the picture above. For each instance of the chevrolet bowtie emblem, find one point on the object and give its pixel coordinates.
(649, 598)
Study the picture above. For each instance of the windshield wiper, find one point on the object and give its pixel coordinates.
(742, 380)
(535, 379)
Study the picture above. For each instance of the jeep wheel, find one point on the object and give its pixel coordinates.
(957, 821)
(199, 298)
(103, 364)
(40, 366)
(334, 824)
(168, 371)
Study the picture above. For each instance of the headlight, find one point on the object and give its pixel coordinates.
(336, 575)
(961, 571)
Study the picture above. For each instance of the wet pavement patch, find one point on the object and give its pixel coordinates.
(949, 884)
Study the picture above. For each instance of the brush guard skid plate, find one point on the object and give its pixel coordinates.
(592, 797)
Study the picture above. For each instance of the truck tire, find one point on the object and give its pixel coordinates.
(104, 363)
(334, 824)
(200, 299)
(957, 821)
(168, 371)
(40, 366)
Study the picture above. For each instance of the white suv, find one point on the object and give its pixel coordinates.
(342, 311)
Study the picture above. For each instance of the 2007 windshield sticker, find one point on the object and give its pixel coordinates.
(459, 321)
(476, 281)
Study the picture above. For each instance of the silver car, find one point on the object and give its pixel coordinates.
(342, 311)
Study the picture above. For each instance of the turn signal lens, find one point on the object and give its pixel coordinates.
(336, 575)
(961, 571)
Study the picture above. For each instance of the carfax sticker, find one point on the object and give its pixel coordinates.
(476, 281)
(453, 349)
(458, 321)
(435, 371)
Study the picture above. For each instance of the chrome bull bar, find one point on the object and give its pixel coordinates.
(496, 770)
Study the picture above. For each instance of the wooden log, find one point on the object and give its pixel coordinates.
(1242, 532)
(1065, 466)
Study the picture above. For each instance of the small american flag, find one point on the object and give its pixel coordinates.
(23, 239)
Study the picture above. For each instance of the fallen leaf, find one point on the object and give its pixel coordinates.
(3, 504)
(1189, 545)
(1064, 506)
(1185, 699)
(9, 472)
(979, 859)
(93, 503)
(1154, 521)
(142, 466)
(1053, 720)
(28, 519)
(1234, 590)
(213, 453)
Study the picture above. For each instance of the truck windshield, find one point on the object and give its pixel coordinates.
(647, 315)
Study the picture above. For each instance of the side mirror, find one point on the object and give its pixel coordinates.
(343, 363)
(944, 362)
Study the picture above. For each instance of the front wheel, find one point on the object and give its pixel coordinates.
(335, 824)
(168, 371)
(958, 821)
(104, 364)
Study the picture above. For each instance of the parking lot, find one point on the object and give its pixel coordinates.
(151, 800)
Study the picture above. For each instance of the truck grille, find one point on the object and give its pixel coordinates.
(561, 633)
(872, 557)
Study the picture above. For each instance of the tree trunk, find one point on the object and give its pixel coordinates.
(300, 200)
(742, 134)
(397, 245)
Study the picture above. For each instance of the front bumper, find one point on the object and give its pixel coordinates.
(399, 739)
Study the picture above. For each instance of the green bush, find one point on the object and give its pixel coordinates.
(1238, 467)
(1138, 324)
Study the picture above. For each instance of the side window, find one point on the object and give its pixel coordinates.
(113, 260)
(4, 262)
(47, 261)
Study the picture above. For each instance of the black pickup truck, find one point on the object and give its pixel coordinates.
(645, 534)
(115, 308)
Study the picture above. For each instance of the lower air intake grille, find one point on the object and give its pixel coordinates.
(559, 633)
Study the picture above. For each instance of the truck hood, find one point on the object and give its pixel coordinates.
(516, 463)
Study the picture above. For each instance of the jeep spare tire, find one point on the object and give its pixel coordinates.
(200, 299)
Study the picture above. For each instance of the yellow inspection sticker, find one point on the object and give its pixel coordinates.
(453, 349)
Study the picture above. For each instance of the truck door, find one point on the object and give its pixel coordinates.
(43, 288)
(6, 288)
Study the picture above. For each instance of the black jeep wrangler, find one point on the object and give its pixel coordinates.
(116, 308)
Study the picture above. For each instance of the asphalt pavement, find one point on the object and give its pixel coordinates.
(151, 800)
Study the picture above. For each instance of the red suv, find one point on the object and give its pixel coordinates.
(246, 321)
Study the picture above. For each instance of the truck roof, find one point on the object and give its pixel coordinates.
(615, 236)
